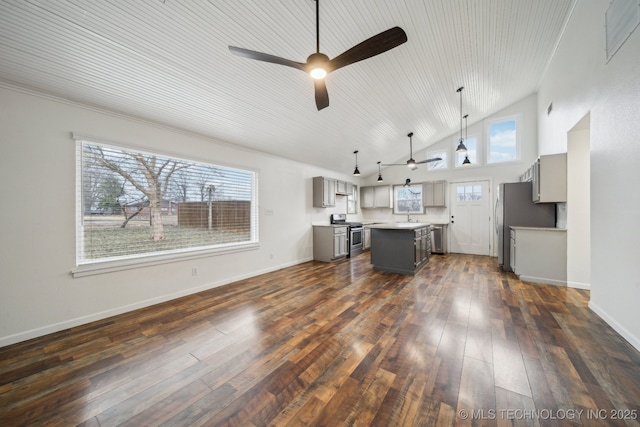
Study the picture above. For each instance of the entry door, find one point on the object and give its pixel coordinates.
(470, 224)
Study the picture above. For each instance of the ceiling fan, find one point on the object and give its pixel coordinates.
(413, 165)
(318, 64)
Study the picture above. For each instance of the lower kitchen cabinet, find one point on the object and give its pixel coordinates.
(400, 249)
(330, 242)
(366, 239)
(539, 254)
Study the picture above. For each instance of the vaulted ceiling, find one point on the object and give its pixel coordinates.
(169, 61)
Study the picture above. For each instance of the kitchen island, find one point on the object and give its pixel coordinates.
(402, 247)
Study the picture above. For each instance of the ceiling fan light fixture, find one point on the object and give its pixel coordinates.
(318, 73)
(317, 65)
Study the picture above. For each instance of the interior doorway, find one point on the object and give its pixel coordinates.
(470, 222)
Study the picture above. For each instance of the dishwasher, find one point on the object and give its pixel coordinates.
(438, 239)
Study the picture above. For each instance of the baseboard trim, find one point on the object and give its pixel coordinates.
(78, 321)
(611, 321)
(542, 280)
(579, 285)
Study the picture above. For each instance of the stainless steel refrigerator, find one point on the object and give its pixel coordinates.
(515, 207)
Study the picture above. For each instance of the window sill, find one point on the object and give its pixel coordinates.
(103, 267)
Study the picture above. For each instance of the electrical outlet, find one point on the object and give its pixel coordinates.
(194, 271)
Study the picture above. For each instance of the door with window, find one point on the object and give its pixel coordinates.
(470, 223)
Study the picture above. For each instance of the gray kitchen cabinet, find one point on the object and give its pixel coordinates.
(434, 194)
(367, 197)
(378, 196)
(400, 248)
(330, 242)
(422, 246)
(366, 239)
(549, 178)
(324, 192)
(342, 188)
(539, 254)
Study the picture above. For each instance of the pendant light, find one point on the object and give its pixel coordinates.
(356, 172)
(466, 161)
(379, 173)
(461, 147)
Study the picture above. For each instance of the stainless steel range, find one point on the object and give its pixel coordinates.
(356, 233)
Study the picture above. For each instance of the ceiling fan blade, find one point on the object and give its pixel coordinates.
(322, 96)
(265, 57)
(373, 46)
(394, 164)
(435, 159)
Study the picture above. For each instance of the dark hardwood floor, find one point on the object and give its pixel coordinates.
(337, 344)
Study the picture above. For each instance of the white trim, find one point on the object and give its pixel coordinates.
(110, 266)
(613, 323)
(543, 280)
(578, 285)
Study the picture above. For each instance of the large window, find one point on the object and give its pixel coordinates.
(408, 199)
(134, 204)
(502, 145)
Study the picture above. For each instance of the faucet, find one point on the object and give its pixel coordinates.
(408, 217)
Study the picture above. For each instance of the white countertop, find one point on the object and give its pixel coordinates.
(400, 225)
(517, 227)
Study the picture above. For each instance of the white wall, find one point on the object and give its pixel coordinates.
(37, 218)
(526, 109)
(578, 82)
(579, 201)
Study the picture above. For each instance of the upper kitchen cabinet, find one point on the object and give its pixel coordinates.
(548, 176)
(324, 192)
(343, 187)
(378, 196)
(434, 194)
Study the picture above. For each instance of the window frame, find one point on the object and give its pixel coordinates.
(438, 153)
(517, 118)
(397, 187)
(84, 267)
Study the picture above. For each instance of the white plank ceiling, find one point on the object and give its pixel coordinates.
(168, 61)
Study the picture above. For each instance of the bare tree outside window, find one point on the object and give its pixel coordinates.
(168, 204)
